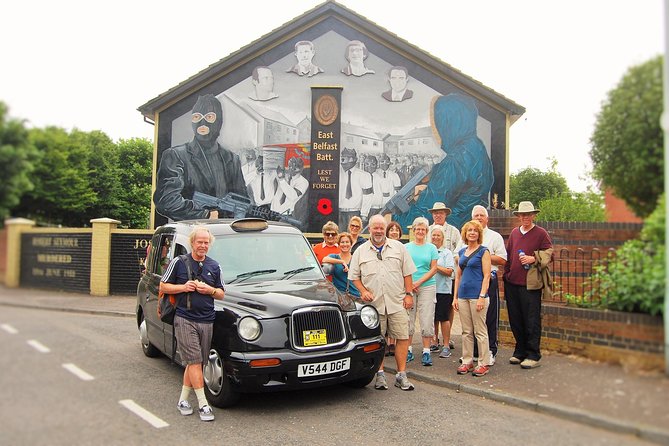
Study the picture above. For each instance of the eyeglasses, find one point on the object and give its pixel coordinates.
(378, 255)
(353, 225)
(330, 234)
(209, 117)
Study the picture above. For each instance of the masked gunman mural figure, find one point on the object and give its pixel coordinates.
(464, 177)
(200, 165)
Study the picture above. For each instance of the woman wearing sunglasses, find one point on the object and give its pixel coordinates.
(329, 244)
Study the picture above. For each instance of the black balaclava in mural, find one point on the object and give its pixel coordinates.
(207, 119)
(349, 158)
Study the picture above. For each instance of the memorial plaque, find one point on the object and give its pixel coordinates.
(56, 261)
(325, 148)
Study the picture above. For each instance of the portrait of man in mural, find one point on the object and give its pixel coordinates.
(263, 186)
(304, 52)
(263, 84)
(200, 165)
(355, 188)
(464, 177)
(292, 187)
(356, 53)
(398, 77)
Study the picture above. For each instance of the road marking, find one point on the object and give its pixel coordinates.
(38, 346)
(9, 329)
(76, 371)
(143, 413)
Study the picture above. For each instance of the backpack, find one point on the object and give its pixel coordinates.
(167, 303)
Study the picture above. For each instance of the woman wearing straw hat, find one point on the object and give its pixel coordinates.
(529, 247)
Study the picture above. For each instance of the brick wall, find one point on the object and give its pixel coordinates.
(631, 340)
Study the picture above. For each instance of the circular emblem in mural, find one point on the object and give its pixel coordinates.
(324, 206)
(326, 109)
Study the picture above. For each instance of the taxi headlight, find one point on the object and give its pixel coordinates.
(369, 316)
(249, 328)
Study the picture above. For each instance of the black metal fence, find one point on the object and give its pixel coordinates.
(574, 274)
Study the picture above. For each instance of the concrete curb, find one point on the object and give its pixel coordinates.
(69, 310)
(644, 432)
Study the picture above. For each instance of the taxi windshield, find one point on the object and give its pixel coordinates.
(259, 257)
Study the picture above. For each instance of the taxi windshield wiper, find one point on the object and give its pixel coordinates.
(243, 276)
(291, 273)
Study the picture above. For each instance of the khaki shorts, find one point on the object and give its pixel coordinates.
(395, 325)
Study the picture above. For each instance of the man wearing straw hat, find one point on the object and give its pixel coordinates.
(452, 235)
(530, 250)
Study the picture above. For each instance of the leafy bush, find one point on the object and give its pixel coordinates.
(634, 279)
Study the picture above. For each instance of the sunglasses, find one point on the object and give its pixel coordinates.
(378, 255)
(330, 234)
(353, 225)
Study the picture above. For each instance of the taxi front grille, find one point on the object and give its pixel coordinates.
(314, 319)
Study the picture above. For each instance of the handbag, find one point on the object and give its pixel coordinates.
(167, 303)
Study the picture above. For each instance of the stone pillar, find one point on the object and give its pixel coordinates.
(15, 227)
(101, 255)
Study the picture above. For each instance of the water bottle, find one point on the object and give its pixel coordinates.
(522, 253)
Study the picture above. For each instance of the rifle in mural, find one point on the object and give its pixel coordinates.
(402, 200)
(241, 206)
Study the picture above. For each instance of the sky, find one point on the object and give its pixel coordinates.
(90, 65)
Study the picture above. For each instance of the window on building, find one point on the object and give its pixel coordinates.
(364, 142)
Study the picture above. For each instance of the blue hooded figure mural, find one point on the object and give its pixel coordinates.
(464, 177)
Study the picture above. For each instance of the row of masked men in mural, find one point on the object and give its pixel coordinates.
(374, 180)
(202, 179)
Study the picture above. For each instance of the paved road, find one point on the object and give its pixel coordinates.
(72, 378)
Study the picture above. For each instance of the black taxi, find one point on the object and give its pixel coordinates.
(281, 326)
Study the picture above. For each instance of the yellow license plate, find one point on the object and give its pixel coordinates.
(314, 337)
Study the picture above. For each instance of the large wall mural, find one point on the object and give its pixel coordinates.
(403, 145)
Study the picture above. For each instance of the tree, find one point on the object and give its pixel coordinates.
(531, 184)
(627, 143)
(573, 206)
(103, 172)
(134, 196)
(17, 158)
(62, 192)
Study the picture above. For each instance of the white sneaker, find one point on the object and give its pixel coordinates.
(381, 383)
(491, 362)
(206, 413)
(184, 407)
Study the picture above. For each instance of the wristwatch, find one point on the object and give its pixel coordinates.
(483, 296)
(408, 294)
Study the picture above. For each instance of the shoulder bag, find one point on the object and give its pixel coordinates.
(167, 303)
